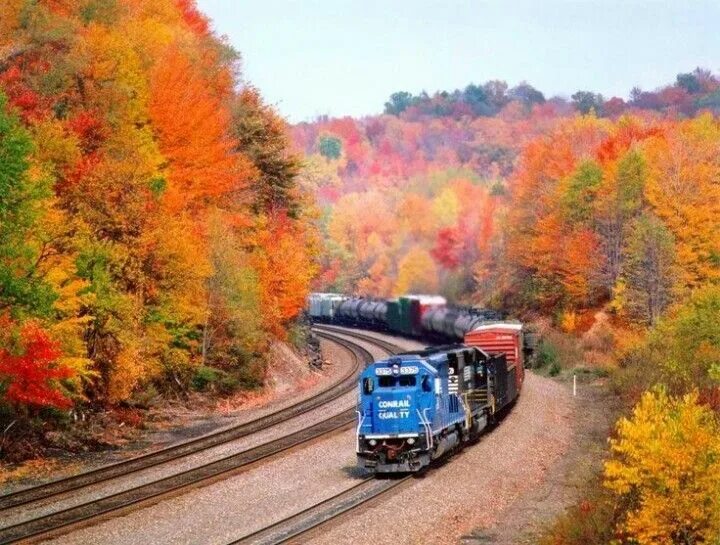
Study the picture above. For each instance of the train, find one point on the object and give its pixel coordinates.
(419, 406)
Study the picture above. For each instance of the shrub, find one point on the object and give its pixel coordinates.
(686, 345)
(682, 351)
(547, 354)
(589, 522)
(205, 377)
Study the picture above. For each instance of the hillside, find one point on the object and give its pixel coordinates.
(424, 197)
(599, 219)
(149, 213)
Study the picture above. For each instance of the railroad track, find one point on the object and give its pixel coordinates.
(389, 347)
(360, 495)
(87, 512)
(306, 521)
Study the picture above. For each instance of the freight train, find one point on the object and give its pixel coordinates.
(418, 406)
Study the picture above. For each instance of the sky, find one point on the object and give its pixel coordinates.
(343, 57)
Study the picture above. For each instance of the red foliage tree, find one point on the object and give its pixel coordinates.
(448, 248)
(30, 374)
(192, 17)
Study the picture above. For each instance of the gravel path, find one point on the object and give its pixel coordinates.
(595, 411)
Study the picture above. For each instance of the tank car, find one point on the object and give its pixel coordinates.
(322, 307)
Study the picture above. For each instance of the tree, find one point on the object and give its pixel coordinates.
(581, 190)
(477, 98)
(29, 374)
(689, 82)
(330, 147)
(193, 128)
(448, 248)
(648, 269)
(398, 103)
(417, 272)
(685, 345)
(496, 91)
(526, 94)
(233, 327)
(619, 202)
(22, 198)
(586, 101)
(261, 136)
(683, 192)
(665, 470)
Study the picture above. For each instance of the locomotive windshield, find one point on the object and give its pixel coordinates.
(402, 381)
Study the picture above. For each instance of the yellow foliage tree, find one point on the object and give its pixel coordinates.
(683, 190)
(417, 272)
(665, 470)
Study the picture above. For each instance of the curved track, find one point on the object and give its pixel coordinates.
(358, 496)
(389, 347)
(182, 481)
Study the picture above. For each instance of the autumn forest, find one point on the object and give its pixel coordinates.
(161, 225)
(151, 223)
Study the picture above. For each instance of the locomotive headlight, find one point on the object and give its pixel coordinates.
(372, 442)
(411, 441)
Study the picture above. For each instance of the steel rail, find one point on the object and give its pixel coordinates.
(385, 345)
(307, 520)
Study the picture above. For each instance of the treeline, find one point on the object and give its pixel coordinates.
(151, 227)
(622, 213)
(621, 220)
(691, 93)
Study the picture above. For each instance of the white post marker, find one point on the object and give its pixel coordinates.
(574, 385)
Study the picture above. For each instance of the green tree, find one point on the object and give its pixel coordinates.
(233, 328)
(648, 269)
(398, 103)
(616, 209)
(330, 147)
(580, 192)
(22, 197)
(496, 91)
(526, 94)
(262, 137)
(477, 98)
(685, 346)
(689, 82)
(585, 101)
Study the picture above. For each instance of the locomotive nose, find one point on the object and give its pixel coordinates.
(394, 413)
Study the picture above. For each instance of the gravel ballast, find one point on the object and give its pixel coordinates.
(245, 502)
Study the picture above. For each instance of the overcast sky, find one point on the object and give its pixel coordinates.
(342, 57)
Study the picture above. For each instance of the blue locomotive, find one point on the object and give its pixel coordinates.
(416, 407)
